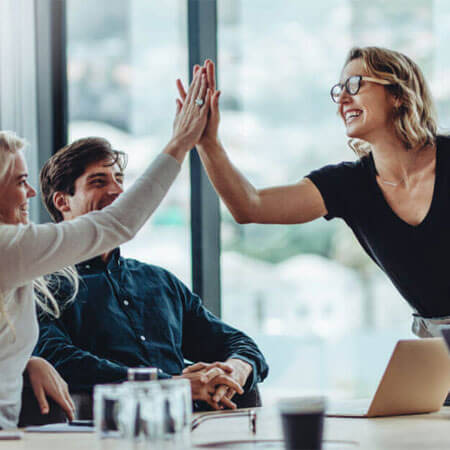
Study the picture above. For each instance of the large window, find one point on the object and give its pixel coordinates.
(123, 60)
(325, 316)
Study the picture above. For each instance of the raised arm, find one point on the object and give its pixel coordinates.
(297, 203)
(29, 251)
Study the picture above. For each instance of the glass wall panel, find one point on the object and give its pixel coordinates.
(123, 59)
(325, 316)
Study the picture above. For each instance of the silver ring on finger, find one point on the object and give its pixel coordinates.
(199, 102)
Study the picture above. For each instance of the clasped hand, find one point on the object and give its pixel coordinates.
(217, 383)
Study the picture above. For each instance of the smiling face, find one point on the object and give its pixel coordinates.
(368, 114)
(100, 184)
(15, 192)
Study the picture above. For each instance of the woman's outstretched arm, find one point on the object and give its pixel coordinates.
(30, 251)
(296, 203)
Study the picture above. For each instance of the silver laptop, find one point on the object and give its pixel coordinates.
(445, 331)
(416, 380)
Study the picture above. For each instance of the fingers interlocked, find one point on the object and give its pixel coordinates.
(219, 386)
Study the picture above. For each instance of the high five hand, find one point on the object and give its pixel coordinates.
(210, 133)
(192, 114)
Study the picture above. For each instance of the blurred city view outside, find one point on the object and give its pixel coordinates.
(324, 315)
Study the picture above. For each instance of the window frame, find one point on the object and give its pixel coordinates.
(52, 108)
(205, 210)
(51, 82)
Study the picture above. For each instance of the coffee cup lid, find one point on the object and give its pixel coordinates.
(294, 405)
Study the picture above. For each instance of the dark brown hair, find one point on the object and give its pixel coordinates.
(62, 170)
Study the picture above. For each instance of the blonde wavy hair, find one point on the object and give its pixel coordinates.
(44, 287)
(415, 119)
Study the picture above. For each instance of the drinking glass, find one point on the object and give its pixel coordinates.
(108, 399)
(178, 411)
(147, 417)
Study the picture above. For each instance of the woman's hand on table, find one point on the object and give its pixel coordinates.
(46, 382)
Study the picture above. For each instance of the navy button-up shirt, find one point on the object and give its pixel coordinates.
(131, 314)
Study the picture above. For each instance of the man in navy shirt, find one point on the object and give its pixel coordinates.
(128, 313)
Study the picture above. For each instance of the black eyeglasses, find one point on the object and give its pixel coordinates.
(352, 85)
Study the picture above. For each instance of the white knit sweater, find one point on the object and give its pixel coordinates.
(29, 251)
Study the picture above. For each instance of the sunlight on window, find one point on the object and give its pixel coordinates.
(324, 314)
(122, 87)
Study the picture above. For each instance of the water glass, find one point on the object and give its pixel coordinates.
(155, 413)
(133, 411)
(178, 411)
(146, 421)
(108, 401)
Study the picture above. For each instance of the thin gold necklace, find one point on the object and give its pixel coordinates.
(391, 183)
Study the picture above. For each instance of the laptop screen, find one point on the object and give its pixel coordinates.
(446, 335)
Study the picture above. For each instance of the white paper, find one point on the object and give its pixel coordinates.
(59, 428)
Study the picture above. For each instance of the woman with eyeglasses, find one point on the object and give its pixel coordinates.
(394, 197)
(29, 252)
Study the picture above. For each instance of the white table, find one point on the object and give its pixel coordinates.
(425, 431)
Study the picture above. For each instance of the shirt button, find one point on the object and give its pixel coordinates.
(88, 266)
(126, 302)
(142, 338)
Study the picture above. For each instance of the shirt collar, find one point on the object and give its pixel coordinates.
(97, 263)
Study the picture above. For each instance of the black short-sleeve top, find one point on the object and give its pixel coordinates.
(416, 258)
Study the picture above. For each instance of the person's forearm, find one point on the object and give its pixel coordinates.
(239, 195)
(246, 350)
(177, 148)
(40, 249)
(243, 368)
(79, 367)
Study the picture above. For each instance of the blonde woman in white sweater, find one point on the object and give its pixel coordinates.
(29, 251)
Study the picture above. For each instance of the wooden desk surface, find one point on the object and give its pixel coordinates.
(427, 431)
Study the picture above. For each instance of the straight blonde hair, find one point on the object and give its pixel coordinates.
(415, 119)
(10, 144)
